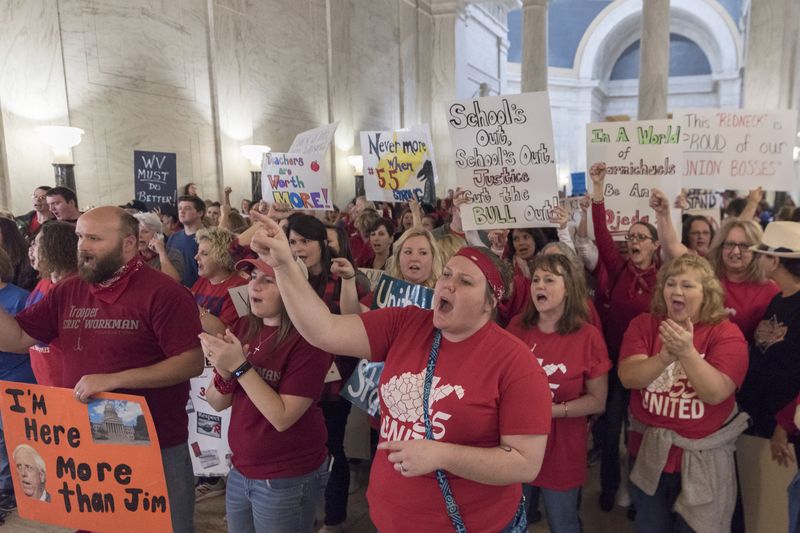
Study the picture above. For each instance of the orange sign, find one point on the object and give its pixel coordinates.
(94, 466)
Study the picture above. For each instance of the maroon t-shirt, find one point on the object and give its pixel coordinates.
(670, 401)
(569, 361)
(216, 298)
(295, 368)
(483, 387)
(147, 319)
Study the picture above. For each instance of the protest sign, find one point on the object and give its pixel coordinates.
(94, 466)
(295, 179)
(314, 143)
(638, 156)
(707, 203)
(373, 275)
(362, 387)
(505, 160)
(737, 149)
(399, 165)
(155, 179)
(208, 430)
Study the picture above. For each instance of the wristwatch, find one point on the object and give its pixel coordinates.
(242, 370)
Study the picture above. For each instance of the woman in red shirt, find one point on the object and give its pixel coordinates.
(574, 357)
(277, 431)
(459, 422)
(215, 266)
(683, 362)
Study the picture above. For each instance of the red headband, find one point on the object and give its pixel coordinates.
(487, 267)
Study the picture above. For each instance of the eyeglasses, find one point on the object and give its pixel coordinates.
(37, 198)
(637, 237)
(729, 246)
(700, 233)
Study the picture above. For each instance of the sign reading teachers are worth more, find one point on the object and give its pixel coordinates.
(505, 160)
(639, 155)
(94, 466)
(296, 179)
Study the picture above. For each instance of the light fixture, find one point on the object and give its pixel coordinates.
(255, 154)
(357, 162)
(796, 153)
(61, 139)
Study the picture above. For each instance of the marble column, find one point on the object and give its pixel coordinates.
(534, 45)
(654, 60)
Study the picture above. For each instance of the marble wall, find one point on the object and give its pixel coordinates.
(202, 77)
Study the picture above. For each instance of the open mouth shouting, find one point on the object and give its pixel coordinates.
(445, 304)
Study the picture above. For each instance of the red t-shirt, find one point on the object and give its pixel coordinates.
(485, 386)
(45, 361)
(670, 401)
(748, 302)
(569, 361)
(216, 298)
(295, 368)
(143, 321)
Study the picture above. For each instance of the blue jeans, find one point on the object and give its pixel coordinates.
(338, 489)
(609, 427)
(274, 505)
(180, 486)
(654, 513)
(562, 507)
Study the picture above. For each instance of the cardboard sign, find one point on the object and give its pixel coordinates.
(639, 155)
(505, 160)
(399, 165)
(155, 179)
(94, 466)
(314, 142)
(707, 203)
(296, 179)
(737, 148)
(362, 387)
(763, 484)
(240, 299)
(208, 430)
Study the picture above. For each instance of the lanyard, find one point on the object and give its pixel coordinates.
(444, 485)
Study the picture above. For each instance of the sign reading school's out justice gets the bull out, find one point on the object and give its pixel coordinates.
(505, 160)
(639, 155)
(94, 466)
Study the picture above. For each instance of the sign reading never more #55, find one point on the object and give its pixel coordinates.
(505, 160)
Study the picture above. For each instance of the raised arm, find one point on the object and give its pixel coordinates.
(348, 296)
(225, 210)
(753, 199)
(670, 243)
(340, 334)
(606, 248)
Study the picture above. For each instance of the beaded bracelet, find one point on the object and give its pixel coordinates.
(224, 386)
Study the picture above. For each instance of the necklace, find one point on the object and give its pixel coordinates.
(258, 348)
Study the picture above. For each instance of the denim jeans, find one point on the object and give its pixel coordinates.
(283, 505)
(562, 507)
(180, 487)
(654, 513)
(338, 489)
(609, 429)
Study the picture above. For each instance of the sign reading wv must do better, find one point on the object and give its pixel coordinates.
(94, 466)
(505, 160)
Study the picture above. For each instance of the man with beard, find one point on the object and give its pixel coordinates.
(124, 327)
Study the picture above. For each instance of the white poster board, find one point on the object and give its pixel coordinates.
(639, 155)
(208, 430)
(737, 148)
(505, 160)
(296, 179)
(314, 142)
(399, 165)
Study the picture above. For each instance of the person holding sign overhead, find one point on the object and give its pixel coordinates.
(277, 432)
(470, 433)
(631, 282)
(574, 357)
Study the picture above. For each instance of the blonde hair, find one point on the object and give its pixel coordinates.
(220, 240)
(437, 264)
(753, 232)
(712, 310)
(449, 245)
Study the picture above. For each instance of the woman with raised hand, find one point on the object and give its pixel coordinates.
(153, 247)
(272, 379)
(574, 357)
(748, 292)
(630, 285)
(461, 399)
(683, 363)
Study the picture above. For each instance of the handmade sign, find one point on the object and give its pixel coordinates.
(399, 165)
(296, 179)
(705, 202)
(314, 142)
(155, 179)
(638, 156)
(362, 387)
(208, 430)
(737, 148)
(373, 275)
(505, 160)
(94, 466)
